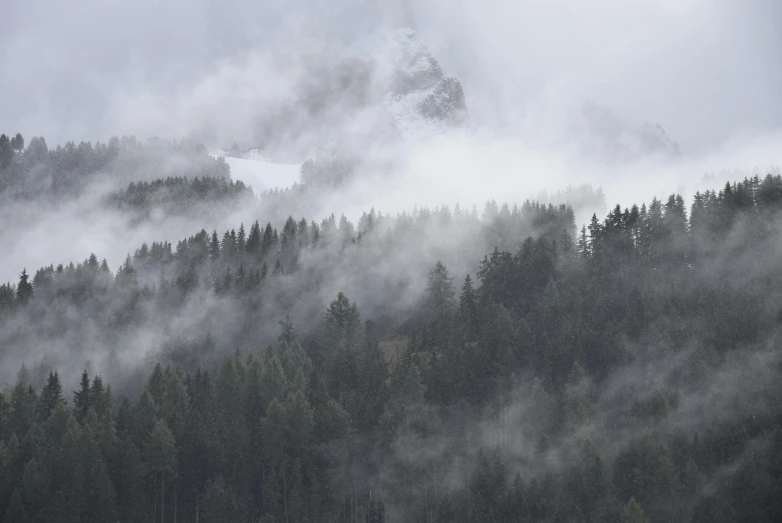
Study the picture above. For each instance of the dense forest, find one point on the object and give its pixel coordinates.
(179, 195)
(433, 366)
(33, 171)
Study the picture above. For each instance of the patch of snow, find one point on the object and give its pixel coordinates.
(256, 171)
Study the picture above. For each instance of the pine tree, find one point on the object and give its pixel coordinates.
(24, 290)
(51, 395)
(595, 236)
(468, 308)
(240, 285)
(156, 385)
(175, 405)
(99, 398)
(441, 297)
(288, 333)
(17, 142)
(582, 246)
(241, 241)
(161, 452)
(214, 247)
(343, 316)
(372, 380)
(227, 246)
(23, 404)
(254, 238)
(566, 242)
(6, 152)
(82, 397)
(267, 242)
(274, 383)
(98, 496)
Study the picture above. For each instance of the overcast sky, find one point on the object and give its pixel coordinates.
(703, 69)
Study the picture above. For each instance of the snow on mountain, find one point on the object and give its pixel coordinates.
(254, 168)
(362, 98)
(421, 99)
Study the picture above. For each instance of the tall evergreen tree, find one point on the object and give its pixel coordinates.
(24, 290)
(468, 308)
(51, 395)
(343, 316)
(441, 297)
(82, 397)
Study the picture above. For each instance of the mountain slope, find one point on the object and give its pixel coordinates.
(421, 99)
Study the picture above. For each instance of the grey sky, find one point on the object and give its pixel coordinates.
(91, 69)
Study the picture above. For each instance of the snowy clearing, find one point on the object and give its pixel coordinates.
(259, 173)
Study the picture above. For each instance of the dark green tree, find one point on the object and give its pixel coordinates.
(51, 395)
(24, 289)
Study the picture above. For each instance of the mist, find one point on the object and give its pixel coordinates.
(348, 350)
(213, 72)
(687, 65)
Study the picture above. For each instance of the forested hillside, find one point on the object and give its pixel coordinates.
(33, 170)
(180, 195)
(435, 366)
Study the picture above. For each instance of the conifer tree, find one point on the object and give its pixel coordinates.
(254, 238)
(288, 332)
(441, 297)
(17, 142)
(468, 308)
(214, 247)
(51, 395)
(582, 245)
(343, 316)
(82, 397)
(24, 290)
(241, 239)
(161, 452)
(98, 397)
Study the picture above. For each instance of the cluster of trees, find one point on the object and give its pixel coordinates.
(624, 372)
(8, 147)
(33, 170)
(246, 441)
(180, 195)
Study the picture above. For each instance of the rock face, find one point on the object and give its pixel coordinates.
(421, 99)
(445, 102)
(380, 90)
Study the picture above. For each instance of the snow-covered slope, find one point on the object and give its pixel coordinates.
(256, 170)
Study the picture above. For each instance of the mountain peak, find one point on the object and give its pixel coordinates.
(421, 99)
